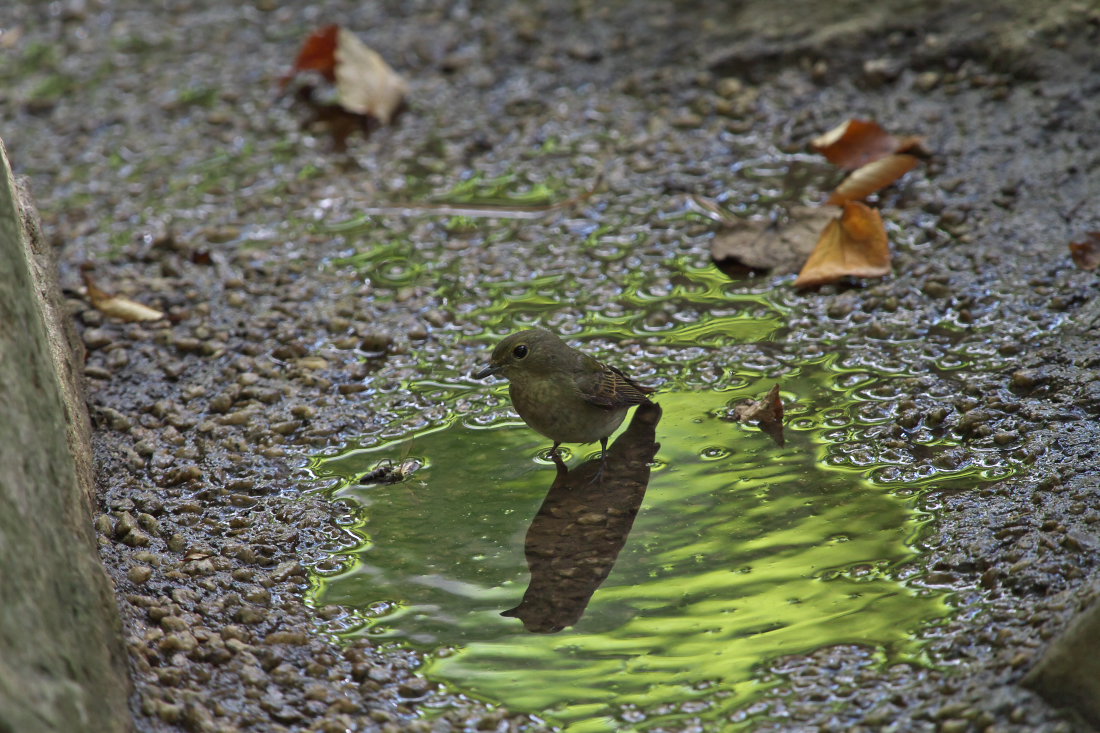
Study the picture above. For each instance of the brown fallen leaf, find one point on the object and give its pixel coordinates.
(365, 84)
(852, 244)
(1086, 253)
(869, 178)
(118, 306)
(767, 413)
(855, 143)
(779, 245)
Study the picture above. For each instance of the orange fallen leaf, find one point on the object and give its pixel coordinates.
(365, 84)
(318, 54)
(867, 179)
(853, 244)
(118, 306)
(1086, 253)
(855, 143)
(767, 413)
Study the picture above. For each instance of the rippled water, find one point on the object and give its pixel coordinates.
(665, 594)
(741, 552)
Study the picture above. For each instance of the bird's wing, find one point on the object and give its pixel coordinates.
(610, 388)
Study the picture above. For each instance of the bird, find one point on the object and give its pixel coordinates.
(560, 392)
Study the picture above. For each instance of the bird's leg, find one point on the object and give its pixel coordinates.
(556, 457)
(603, 462)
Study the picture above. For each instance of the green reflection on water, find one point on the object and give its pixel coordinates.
(742, 552)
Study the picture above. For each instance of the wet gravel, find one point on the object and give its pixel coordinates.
(158, 152)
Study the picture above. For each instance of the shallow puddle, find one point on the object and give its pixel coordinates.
(740, 552)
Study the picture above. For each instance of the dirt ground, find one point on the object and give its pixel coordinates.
(157, 151)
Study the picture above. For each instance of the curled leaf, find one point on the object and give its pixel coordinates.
(1086, 253)
(853, 244)
(118, 306)
(870, 178)
(767, 413)
(855, 143)
(318, 54)
(365, 83)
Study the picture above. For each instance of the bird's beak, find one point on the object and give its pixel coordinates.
(481, 374)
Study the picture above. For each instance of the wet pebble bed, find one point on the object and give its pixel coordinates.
(157, 152)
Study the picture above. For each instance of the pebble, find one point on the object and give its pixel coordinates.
(97, 338)
(139, 574)
(414, 687)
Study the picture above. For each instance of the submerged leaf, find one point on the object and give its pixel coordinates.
(870, 178)
(852, 244)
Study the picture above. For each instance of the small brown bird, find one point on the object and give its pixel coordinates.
(567, 396)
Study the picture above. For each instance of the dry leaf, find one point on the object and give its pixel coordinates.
(852, 244)
(777, 245)
(365, 83)
(767, 413)
(870, 178)
(118, 306)
(318, 54)
(1086, 253)
(855, 143)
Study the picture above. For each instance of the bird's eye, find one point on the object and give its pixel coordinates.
(520, 351)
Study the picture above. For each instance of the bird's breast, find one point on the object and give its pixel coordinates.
(554, 408)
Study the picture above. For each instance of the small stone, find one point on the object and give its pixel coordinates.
(173, 623)
(415, 687)
(249, 615)
(928, 80)
(293, 638)
(1027, 378)
(286, 427)
(97, 338)
(139, 574)
(180, 642)
(303, 412)
(937, 289)
(137, 538)
(168, 712)
(881, 71)
(188, 345)
(287, 569)
(182, 474)
(375, 342)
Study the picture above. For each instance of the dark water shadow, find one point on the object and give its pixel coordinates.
(582, 525)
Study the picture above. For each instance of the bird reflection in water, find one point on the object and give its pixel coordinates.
(582, 525)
